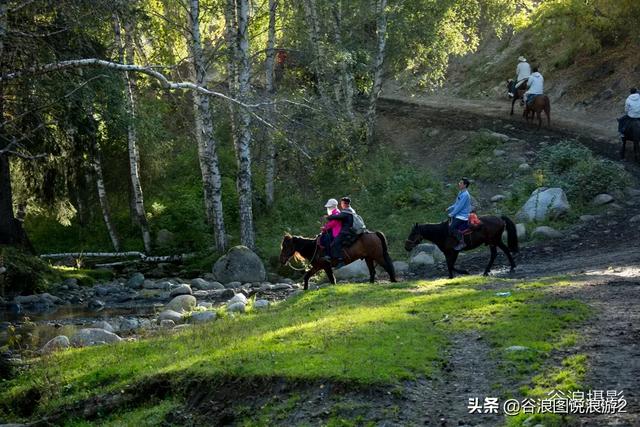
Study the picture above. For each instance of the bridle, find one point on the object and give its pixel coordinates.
(415, 242)
(305, 264)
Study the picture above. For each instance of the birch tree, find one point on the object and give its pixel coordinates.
(381, 37)
(132, 135)
(102, 196)
(346, 78)
(207, 144)
(269, 76)
(242, 135)
(313, 25)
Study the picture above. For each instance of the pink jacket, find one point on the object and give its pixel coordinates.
(334, 225)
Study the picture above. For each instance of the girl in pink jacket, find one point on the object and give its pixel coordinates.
(332, 228)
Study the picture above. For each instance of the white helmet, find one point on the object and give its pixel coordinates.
(522, 59)
(331, 203)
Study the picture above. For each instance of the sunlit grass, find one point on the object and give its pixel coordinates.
(369, 334)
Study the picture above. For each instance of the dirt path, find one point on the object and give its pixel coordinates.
(602, 255)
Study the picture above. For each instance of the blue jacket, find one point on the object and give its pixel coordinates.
(462, 207)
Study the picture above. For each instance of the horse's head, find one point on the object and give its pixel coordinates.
(414, 238)
(286, 249)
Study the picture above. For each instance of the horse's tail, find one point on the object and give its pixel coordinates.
(512, 234)
(385, 254)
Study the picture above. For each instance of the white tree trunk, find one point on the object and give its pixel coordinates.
(243, 140)
(346, 78)
(104, 201)
(207, 144)
(311, 16)
(269, 76)
(381, 25)
(132, 136)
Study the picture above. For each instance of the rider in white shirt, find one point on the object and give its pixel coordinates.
(535, 85)
(632, 110)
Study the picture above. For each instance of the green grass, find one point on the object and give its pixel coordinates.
(367, 334)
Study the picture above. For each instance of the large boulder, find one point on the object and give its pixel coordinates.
(544, 203)
(203, 316)
(421, 259)
(239, 264)
(521, 231)
(182, 289)
(400, 267)
(182, 303)
(356, 270)
(93, 336)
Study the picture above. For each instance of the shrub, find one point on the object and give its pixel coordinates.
(25, 273)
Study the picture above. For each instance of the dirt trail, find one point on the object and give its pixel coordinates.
(601, 255)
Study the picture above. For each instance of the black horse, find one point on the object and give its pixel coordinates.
(489, 233)
(517, 93)
(631, 133)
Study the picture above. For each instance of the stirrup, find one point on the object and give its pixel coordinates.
(460, 246)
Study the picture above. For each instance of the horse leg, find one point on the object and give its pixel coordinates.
(308, 274)
(494, 252)
(624, 148)
(372, 270)
(507, 252)
(539, 116)
(451, 259)
(635, 150)
(515, 97)
(330, 276)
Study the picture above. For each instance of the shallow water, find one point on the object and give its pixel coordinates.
(30, 330)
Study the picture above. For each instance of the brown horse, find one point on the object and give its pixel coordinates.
(371, 246)
(489, 233)
(518, 94)
(540, 102)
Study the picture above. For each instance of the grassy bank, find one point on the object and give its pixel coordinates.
(360, 334)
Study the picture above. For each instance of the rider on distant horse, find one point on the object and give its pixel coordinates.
(332, 228)
(632, 110)
(523, 71)
(535, 86)
(346, 217)
(459, 213)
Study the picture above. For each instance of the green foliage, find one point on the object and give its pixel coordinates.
(576, 170)
(26, 274)
(593, 25)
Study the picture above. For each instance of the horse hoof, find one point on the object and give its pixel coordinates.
(485, 274)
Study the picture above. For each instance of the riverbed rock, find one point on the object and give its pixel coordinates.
(182, 289)
(602, 199)
(544, 203)
(239, 264)
(236, 307)
(41, 300)
(170, 315)
(93, 336)
(429, 249)
(238, 298)
(498, 198)
(167, 324)
(103, 324)
(203, 316)
(521, 231)
(135, 281)
(280, 287)
(60, 342)
(421, 259)
(401, 267)
(261, 304)
(356, 270)
(128, 324)
(546, 232)
(95, 305)
(182, 303)
(205, 285)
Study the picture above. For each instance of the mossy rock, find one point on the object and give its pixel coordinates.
(25, 273)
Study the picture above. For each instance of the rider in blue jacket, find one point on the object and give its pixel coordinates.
(459, 213)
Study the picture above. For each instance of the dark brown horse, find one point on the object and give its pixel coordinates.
(517, 94)
(372, 247)
(539, 103)
(489, 233)
(631, 133)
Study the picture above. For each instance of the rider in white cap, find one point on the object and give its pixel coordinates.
(523, 71)
(333, 227)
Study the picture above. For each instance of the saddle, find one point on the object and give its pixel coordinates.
(474, 224)
(351, 238)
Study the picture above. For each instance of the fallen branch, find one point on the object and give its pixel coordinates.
(140, 255)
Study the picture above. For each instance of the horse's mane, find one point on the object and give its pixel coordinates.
(434, 231)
